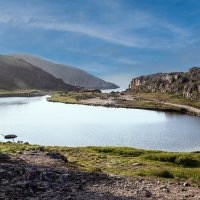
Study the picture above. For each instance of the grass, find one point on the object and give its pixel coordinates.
(140, 103)
(72, 97)
(122, 161)
(21, 93)
(151, 105)
(166, 97)
(149, 101)
(184, 160)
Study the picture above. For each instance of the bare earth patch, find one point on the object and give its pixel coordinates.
(97, 101)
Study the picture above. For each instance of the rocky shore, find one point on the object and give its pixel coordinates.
(40, 175)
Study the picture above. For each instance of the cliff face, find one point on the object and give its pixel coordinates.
(184, 83)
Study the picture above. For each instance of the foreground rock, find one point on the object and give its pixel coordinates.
(39, 176)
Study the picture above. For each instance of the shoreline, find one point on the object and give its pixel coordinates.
(179, 109)
(122, 101)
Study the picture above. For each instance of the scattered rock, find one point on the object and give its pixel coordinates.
(33, 180)
(186, 184)
(64, 178)
(144, 193)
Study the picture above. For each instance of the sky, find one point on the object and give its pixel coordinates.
(112, 39)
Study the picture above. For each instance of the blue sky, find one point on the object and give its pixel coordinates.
(112, 39)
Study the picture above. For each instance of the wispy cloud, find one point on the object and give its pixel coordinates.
(140, 30)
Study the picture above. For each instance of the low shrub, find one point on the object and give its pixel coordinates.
(119, 151)
(163, 173)
(163, 157)
(186, 161)
(181, 160)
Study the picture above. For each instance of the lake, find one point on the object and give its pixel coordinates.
(37, 121)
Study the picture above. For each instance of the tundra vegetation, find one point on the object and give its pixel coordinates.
(123, 161)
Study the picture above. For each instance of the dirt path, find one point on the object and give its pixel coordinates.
(98, 101)
(37, 176)
(189, 108)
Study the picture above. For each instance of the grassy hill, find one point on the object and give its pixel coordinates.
(70, 75)
(16, 73)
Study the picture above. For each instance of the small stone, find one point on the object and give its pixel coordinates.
(22, 184)
(26, 143)
(2, 170)
(186, 184)
(136, 164)
(144, 193)
(4, 182)
(166, 190)
(64, 178)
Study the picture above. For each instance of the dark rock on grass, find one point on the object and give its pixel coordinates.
(26, 143)
(58, 156)
(41, 148)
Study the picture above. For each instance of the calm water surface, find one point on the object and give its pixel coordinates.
(40, 122)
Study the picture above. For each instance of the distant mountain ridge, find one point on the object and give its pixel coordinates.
(70, 75)
(186, 84)
(15, 73)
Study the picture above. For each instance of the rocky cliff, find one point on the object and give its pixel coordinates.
(186, 84)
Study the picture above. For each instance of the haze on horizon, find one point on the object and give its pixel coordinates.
(113, 39)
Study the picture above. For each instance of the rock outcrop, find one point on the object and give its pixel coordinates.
(186, 84)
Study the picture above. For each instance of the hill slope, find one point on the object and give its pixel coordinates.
(16, 73)
(69, 75)
(185, 83)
